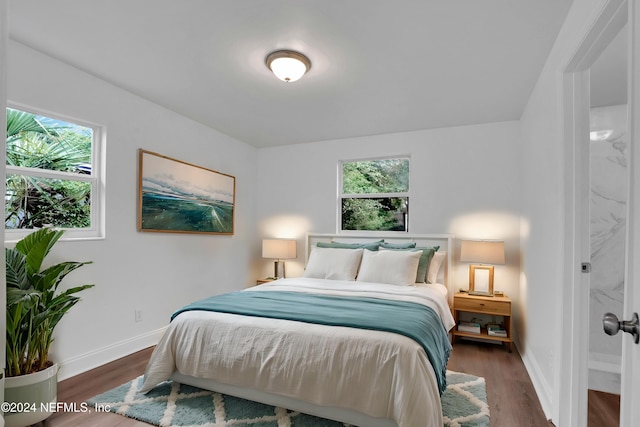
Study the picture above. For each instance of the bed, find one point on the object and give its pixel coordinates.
(336, 343)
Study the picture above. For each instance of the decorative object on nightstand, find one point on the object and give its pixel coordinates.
(496, 330)
(482, 305)
(278, 249)
(471, 327)
(481, 253)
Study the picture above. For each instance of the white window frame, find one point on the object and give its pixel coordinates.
(95, 178)
(341, 196)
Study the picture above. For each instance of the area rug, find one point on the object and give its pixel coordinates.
(464, 404)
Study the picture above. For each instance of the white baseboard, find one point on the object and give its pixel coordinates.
(84, 362)
(605, 372)
(541, 386)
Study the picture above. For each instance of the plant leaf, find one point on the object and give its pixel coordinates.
(36, 246)
(48, 280)
(16, 273)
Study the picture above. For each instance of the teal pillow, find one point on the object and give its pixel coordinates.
(372, 246)
(425, 260)
(398, 245)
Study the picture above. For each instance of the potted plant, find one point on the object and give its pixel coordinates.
(34, 308)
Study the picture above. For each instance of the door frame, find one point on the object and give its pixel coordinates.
(630, 384)
(572, 373)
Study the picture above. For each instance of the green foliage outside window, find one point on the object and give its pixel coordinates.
(375, 176)
(38, 199)
(374, 195)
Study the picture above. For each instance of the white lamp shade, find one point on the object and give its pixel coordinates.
(288, 69)
(482, 251)
(279, 249)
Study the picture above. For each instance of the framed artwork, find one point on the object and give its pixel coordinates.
(481, 279)
(179, 197)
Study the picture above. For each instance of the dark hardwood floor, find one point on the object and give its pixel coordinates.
(93, 382)
(512, 399)
(604, 409)
(510, 393)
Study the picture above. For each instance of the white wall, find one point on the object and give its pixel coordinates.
(464, 181)
(152, 272)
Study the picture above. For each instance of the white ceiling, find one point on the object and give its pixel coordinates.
(378, 66)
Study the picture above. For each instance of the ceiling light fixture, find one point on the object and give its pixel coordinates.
(288, 65)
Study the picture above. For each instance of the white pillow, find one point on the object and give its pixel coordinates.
(334, 264)
(434, 266)
(391, 267)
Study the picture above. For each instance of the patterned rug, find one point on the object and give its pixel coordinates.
(464, 404)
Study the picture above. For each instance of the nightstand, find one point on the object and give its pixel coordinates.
(267, 280)
(495, 306)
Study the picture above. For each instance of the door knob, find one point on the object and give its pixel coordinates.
(612, 325)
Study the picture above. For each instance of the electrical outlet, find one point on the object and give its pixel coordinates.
(138, 315)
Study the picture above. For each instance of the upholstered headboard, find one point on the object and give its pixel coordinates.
(445, 241)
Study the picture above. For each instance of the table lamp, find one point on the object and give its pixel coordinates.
(278, 249)
(481, 253)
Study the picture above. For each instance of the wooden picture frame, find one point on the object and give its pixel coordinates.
(179, 197)
(481, 279)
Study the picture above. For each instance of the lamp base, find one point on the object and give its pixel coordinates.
(278, 269)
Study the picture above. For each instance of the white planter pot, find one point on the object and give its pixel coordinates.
(33, 396)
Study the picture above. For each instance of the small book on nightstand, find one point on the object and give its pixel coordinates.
(474, 328)
(496, 330)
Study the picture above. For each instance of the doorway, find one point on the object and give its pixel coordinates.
(608, 148)
(579, 325)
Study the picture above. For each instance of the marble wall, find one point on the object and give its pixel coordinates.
(608, 205)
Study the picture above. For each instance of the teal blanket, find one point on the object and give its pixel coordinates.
(412, 320)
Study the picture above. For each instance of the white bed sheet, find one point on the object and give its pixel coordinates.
(380, 374)
(432, 295)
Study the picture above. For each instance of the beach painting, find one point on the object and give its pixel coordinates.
(179, 197)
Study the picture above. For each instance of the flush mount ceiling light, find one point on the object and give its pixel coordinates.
(288, 65)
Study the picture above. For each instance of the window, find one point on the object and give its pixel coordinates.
(52, 176)
(374, 195)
